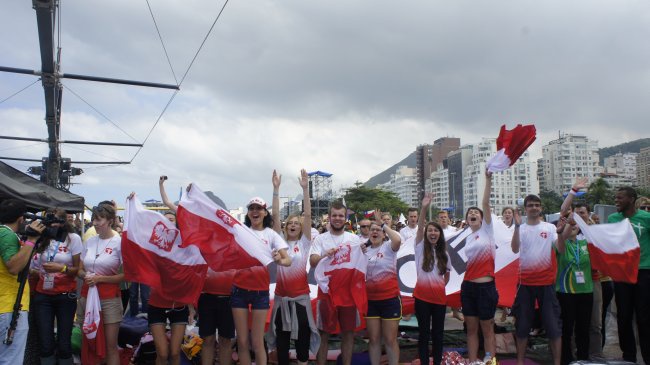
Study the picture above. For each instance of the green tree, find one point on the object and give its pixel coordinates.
(361, 199)
(599, 192)
(551, 201)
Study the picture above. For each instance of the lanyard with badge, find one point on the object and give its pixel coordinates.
(48, 278)
(580, 275)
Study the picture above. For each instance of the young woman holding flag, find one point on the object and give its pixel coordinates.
(478, 294)
(251, 285)
(292, 289)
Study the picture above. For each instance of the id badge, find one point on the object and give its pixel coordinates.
(580, 277)
(48, 282)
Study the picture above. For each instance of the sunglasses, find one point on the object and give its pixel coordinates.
(645, 207)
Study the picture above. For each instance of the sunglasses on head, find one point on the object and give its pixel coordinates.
(645, 207)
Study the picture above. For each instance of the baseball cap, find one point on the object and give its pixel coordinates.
(257, 200)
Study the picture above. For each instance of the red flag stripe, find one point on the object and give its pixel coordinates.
(173, 280)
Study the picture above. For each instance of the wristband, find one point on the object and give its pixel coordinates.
(65, 269)
(382, 226)
(574, 189)
(517, 225)
(28, 243)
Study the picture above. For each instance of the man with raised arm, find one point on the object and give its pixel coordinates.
(534, 241)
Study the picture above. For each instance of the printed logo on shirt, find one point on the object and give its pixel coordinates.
(226, 218)
(163, 237)
(380, 255)
(342, 255)
(89, 328)
(63, 249)
(544, 235)
(296, 249)
(108, 250)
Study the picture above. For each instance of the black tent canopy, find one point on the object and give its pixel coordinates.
(37, 195)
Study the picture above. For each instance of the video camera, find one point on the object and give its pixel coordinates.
(51, 232)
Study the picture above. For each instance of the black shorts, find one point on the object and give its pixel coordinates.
(215, 313)
(390, 309)
(479, 299)
(524, 310)
(177, 315)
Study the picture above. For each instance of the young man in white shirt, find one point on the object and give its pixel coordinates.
(535, 242)
(412, 228)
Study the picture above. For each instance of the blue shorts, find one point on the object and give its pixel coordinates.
(242, 298)
(479, 299)
(385, 309)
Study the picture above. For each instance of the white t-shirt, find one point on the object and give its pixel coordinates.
(291, 281)
(257, 277)
(103, 256)
(480, 249)
(408, 232)
(381, 273)
(430, 285)
(61, 253)
(326, 241)
(537, 263)
(450, 232)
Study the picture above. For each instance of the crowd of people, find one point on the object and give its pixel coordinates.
(556, 282)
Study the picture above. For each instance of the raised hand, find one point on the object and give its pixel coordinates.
(516, 216)
(581, 183)
(303, 180)
(426, 201)
(276, 179)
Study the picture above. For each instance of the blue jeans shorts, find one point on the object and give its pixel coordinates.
(242, 298)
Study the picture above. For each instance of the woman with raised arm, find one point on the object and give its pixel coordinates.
(292, 318)
(382, 288)
(251, 285)
(100, 266)
(478, 293)
(432, 266)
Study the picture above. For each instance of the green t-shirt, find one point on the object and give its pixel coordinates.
(641, 226)
(9, 246)
(574, 269)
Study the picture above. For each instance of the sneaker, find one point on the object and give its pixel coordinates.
(492, 361)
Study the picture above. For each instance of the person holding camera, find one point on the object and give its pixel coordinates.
(100, 266)
(56, 296)
(16, 254)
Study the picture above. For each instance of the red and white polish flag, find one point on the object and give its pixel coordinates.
(93, 344)
(152, 255)
(511, 144)
(613, 249)
(343, 278)
(224, 242)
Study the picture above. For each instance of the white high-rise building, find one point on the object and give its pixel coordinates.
(404, 183)
(623, 165)
(507, 186)
(438, 184)
(566, 158)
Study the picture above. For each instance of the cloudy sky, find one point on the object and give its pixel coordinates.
(349, 87)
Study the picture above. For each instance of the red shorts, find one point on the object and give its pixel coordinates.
(332, 319)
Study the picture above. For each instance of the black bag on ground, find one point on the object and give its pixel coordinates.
(131, 331)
